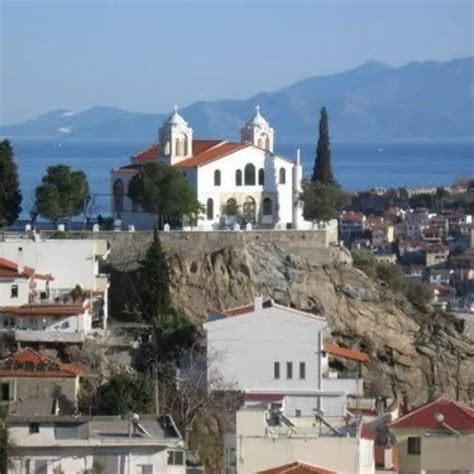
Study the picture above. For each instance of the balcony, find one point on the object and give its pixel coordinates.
(348, 383)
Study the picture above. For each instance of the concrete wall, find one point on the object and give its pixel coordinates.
(409, 463)
(256, 451)
(244, 349)
(28, 388)
(445, 454)
(58, 257)
(6, 291)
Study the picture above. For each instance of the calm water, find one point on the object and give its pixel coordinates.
(356, 166)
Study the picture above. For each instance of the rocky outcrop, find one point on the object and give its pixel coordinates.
(412, 352)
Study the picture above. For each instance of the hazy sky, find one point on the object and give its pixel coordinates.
(148, 55)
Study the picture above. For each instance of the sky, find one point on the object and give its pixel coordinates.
(147, 55)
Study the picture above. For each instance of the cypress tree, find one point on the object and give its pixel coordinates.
(155, 281)
(322, 170)
(10, 195)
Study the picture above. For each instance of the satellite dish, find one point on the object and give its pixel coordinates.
(439, 417)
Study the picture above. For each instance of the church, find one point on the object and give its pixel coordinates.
(240, 183)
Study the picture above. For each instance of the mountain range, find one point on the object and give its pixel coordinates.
(419, 101)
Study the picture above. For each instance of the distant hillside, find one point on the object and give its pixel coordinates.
(429, 100)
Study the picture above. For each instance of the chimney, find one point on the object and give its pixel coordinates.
(258, 303)
(20, 260)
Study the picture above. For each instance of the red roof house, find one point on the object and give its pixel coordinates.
(297, 468)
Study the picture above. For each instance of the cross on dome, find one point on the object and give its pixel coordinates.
(175, 118)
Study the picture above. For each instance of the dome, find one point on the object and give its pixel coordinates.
(175, 118)
(257, 119)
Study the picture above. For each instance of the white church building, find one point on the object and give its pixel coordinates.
(236, 182)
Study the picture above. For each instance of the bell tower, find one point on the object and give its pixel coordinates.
(175, 138)
(258, 132)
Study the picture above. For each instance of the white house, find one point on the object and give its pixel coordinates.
(269, 350)
(242, 181)
(41, 323)
(54, 443)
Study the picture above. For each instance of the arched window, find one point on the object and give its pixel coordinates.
(267, 143)
(267, 207)
(249, 173)
(282, 176)
(217, 178)
(249, 209)
(185, 146)
(260, 142)
(261, 176)
(177, 150)
(264, 141)
(167, 148)
(210, 209)
(238, 178)
(118, 195)
(231, 207)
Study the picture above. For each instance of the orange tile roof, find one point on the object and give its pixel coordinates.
(30, 363)
(218, 151)
(345, 353)
(43, 310)
(297, 468)
(9, 269)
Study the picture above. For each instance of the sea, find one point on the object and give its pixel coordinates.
(356, 166)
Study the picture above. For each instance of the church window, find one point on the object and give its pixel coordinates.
(217, 178)
(249, 173)
(282, 176)
(167, 149)
(249, 209)
(231, 207)
(260, 142)
(267, 143)
(267, 207)
(118, 195)
(210, 209)
(238, 178)
(261, 176)
(185, 147)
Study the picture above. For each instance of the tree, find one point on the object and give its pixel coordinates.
(63, 193)
(162, 190)
(10, 195)
(322, 171)
(323, 202)
(125, 392)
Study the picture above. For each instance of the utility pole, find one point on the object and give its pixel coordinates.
(157, 394)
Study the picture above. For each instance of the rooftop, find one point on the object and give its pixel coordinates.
(9, 269)
(57, 310)
(297, 468)
(345, 353)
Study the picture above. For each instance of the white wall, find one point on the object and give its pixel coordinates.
(243, 349)
(71, 262)
(5, 291)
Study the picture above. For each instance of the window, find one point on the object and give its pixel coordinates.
(145, 469)
(297, 413)
(118, 195)
(302, 370)
(282, 175)
(249, 173)
(276, 370)
(34, 428)
(175, 458)
(238, 178)
(289, 370)
(177, 150)
(261, 176)
(14, 291)
(267, 207)
(217, 178)
(414, 446)
(5, 392)
(210, 209)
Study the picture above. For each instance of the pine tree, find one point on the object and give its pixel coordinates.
(10, 195)
(322, 171)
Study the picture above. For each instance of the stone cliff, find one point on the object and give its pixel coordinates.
(412, 352)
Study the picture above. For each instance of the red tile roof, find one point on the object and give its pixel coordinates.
(297, 468)
(263, 397)
(457, 415)
(44, 310)
(30, 363)
(9, 269)
(345, 353)
(204, 151)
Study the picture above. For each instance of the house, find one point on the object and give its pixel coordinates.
(285, 349)
(382, 231)
(19, 284)
(415, 272)
(31, 375)
(433, 235)
(351, 222)
(72, 262)
(74, 444)
(384, 255)
(267, 438)
(443, 295)
(440, 276)
(436, 254)
(236, 182)
(441, 223)
(297, 468)
(46, 323)
(436, 437)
